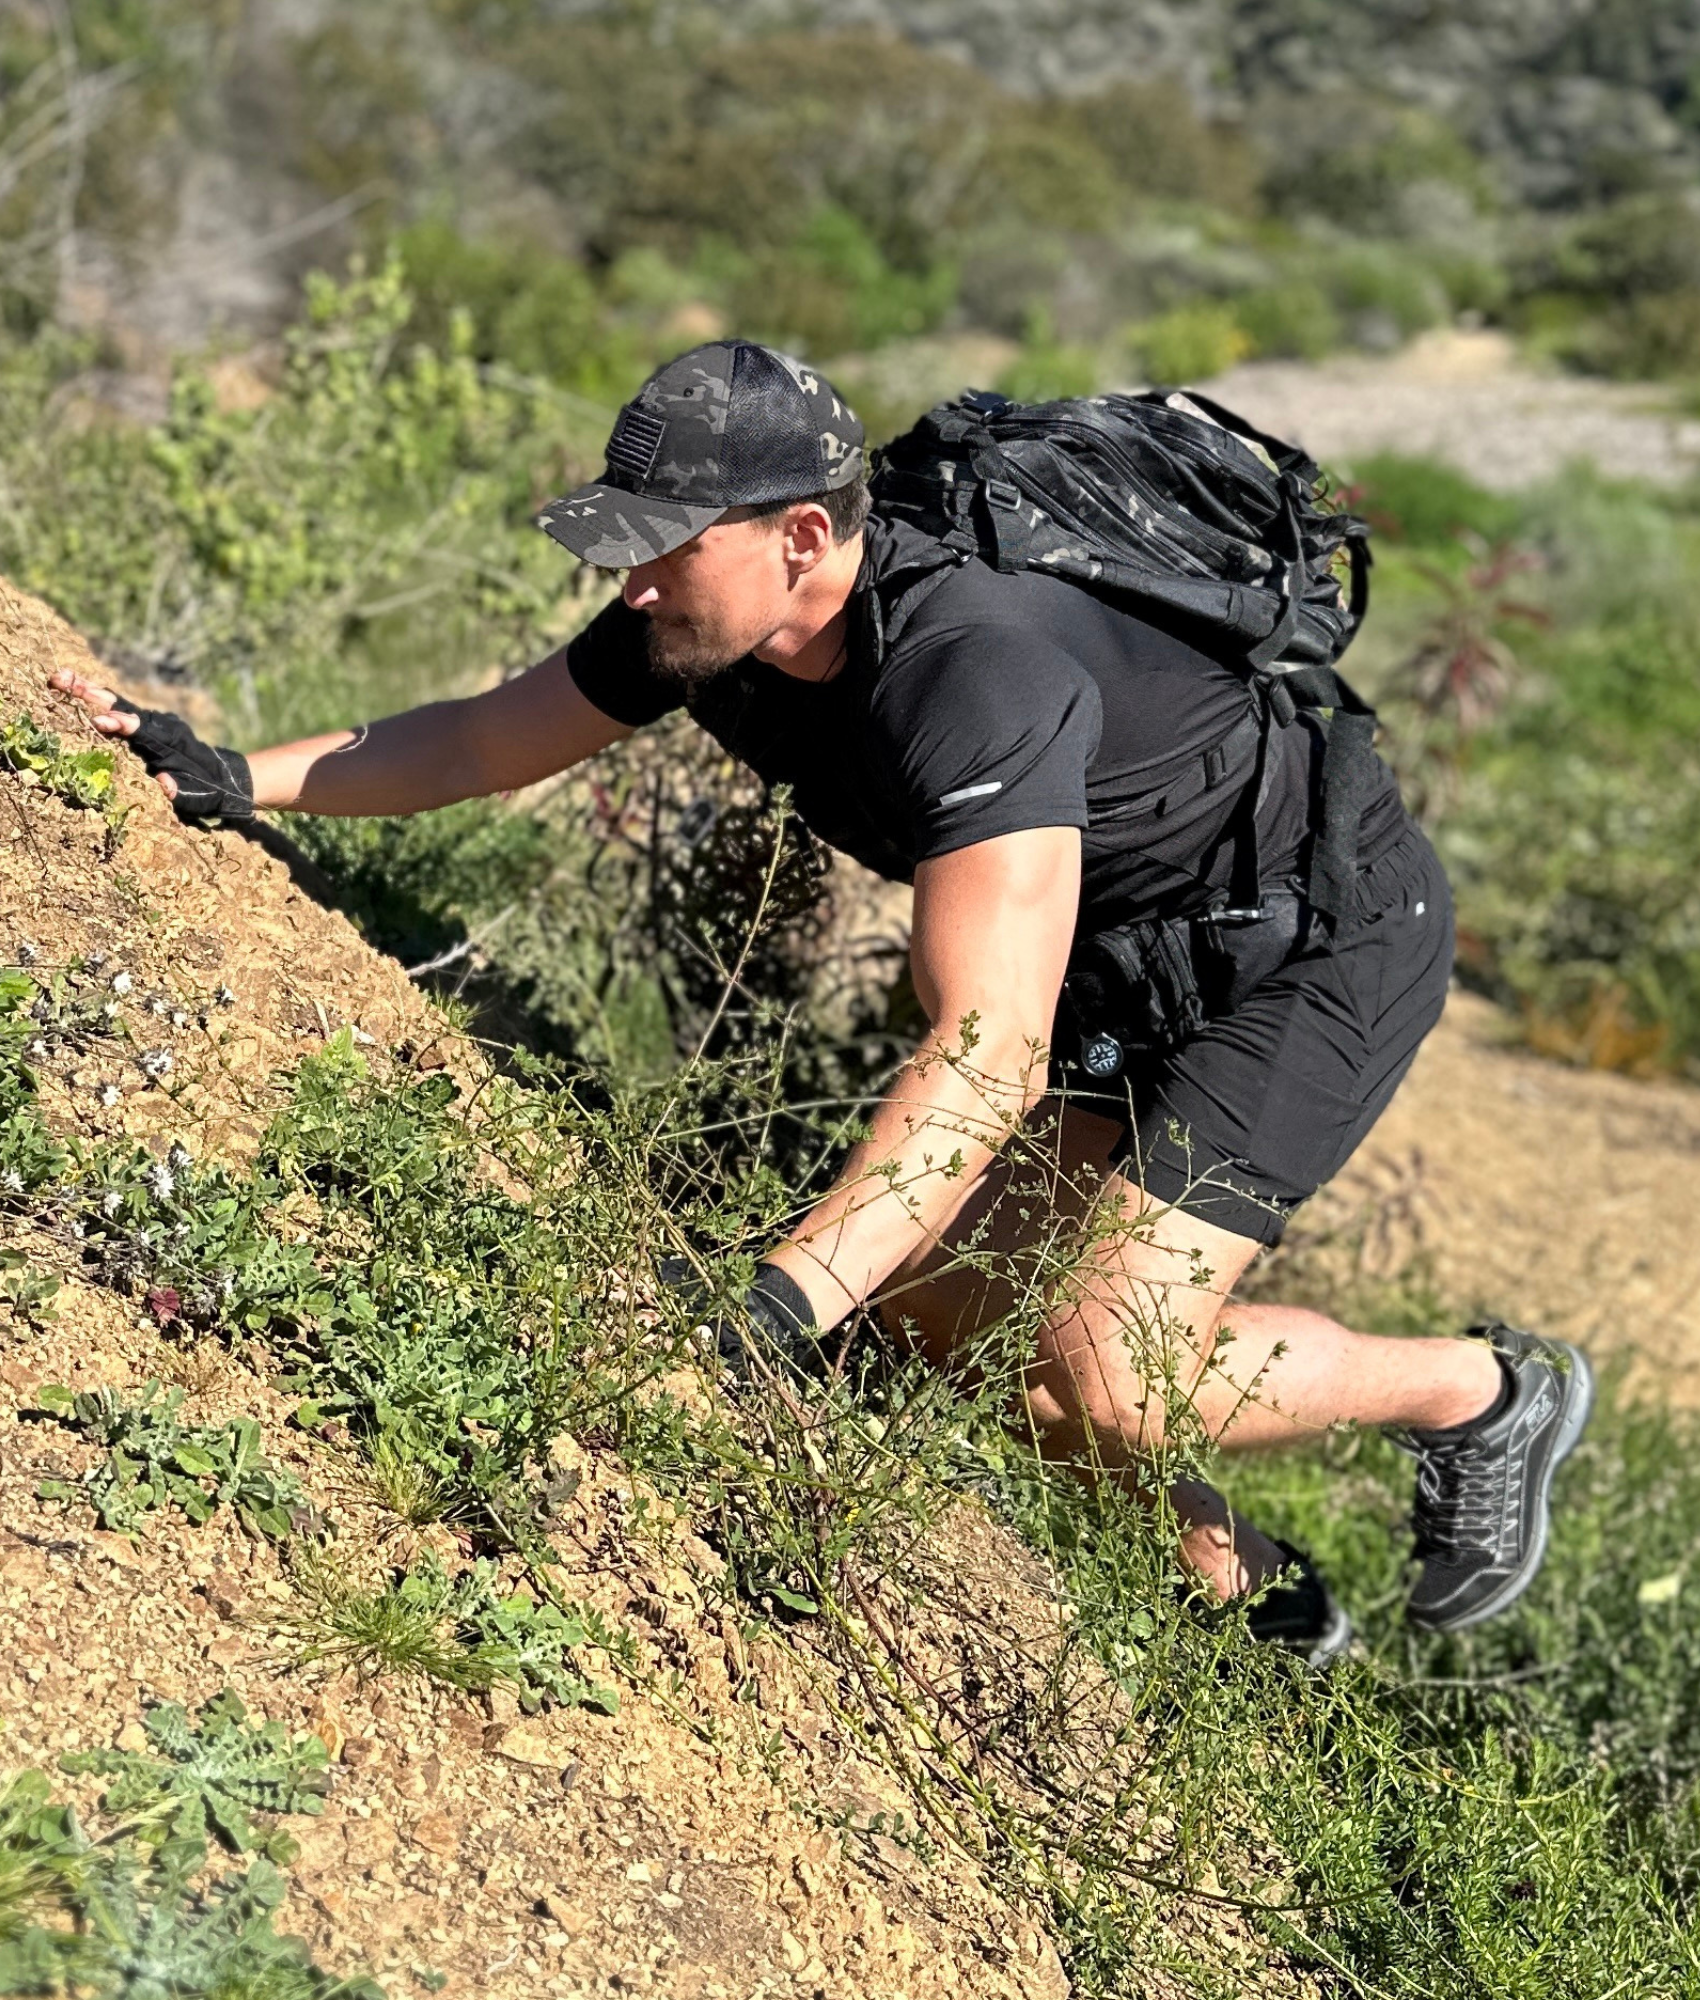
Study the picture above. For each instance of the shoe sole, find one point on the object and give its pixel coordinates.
(1578, 1407)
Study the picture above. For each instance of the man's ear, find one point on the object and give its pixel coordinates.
(808, 537)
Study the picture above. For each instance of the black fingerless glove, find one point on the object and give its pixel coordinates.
(775, 1309)
(211, 783)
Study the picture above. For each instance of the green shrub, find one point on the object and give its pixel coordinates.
(1362, 162)
(1426, 503)
(1291, 321)
(1048, 369)
(830, 289)
(1644, 246)
(529, 309)
(1574, 840)
(1039, 167)
(383, 494)
(1160, 148)
(362, 125)
(1384, 297)
(1646, 337)
(1189, 344)
(1576, 864)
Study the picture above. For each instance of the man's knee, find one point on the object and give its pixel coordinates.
(1129, 1371)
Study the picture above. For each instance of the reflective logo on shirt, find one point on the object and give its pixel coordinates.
(970, 792)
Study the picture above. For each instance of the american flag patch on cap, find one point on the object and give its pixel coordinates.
(635, 441)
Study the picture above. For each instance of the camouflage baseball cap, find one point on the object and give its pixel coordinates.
(730, 424)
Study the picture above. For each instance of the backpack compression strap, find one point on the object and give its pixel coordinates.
(1348, 761)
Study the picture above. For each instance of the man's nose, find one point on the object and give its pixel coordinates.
(640, 591)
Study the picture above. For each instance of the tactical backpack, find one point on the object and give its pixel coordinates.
(1168, 500)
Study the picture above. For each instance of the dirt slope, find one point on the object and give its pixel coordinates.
(1558, 1198)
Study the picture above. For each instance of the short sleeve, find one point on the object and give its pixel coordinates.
(990, 731)
(609, 661)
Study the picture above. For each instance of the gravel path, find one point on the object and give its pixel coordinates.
(1465, 398)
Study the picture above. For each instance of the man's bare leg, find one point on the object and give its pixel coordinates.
(1151, 1325)
(1138, 1326)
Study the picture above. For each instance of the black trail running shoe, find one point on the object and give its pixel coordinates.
(1480, 1518)
(1301, 1614)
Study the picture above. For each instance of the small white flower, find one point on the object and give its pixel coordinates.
(179, 1158)
(225, 997)
(158, 1005)
(27, 953)
(226, 1284)
(36, 1049)
(180, 1229)
(78, 1231)
(111, 1202)
(162, 1182)
(178, 1018)
(109, 1008)
(144, 1239)
(12, 1181)
(108, 1094)
(156, 1062)
(121, 983)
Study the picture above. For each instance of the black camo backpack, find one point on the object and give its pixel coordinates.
(1168, 499)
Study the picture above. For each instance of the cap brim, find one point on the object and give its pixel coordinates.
(616, 530)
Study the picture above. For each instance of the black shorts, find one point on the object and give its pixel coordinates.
(1250, 1117)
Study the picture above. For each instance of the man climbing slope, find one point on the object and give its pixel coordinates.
(1049, 769)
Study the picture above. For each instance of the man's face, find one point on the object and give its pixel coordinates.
(713, 599)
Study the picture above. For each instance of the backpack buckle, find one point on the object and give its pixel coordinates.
(999, 493)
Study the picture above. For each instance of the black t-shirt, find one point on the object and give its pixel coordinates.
(1005, 703)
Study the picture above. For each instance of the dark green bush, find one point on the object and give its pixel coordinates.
(1294, 321)
(1382, 296)
(1421, 501)
(528, 308)
(1048, 368)
(1653, 336)
(830, 289)
(1160, 148)
(1357, 160)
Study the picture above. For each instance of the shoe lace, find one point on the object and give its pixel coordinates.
(1465, 1493)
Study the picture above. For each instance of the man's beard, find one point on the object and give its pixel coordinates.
(688, 651)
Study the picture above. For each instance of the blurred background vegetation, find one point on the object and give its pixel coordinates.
(303, 310)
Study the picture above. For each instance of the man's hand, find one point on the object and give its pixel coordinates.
(201, 780)
(435, 755)
(773, 1322)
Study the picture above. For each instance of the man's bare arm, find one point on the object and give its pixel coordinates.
(993, 924)
(512, 735)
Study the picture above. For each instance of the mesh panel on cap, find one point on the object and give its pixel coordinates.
(771, 450)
